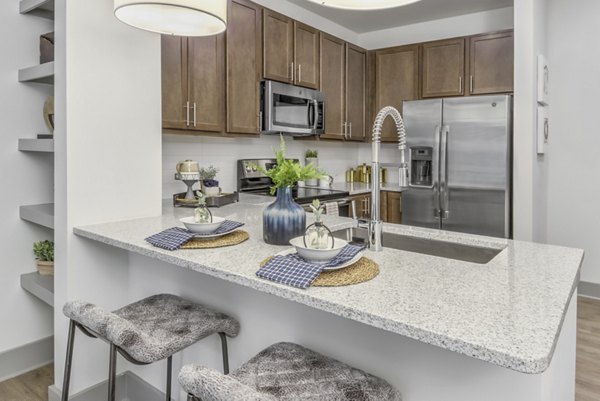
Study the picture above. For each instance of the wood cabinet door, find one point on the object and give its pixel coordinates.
(206, 64)
(363, 206)
(174, 82)
(244, 67)
(356, 92)
(396, 80)
(306, 56)
(443, 68)
(394, 207)
(278, 46)
(491, 63)
(333, 68)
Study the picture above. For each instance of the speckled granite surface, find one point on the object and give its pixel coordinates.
(508, 312)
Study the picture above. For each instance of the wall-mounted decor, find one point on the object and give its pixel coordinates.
(49, 113)
(543, 129)
(543, 75)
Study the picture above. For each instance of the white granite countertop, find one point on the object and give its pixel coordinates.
(358, 188)
(508, 312)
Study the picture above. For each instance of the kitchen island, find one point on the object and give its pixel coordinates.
(436, 328)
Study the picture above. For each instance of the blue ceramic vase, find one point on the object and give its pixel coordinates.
(284, 219)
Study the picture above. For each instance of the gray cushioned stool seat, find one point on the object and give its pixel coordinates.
(287, 372)
(155, 327)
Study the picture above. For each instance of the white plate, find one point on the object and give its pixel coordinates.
(342, 266)
(210, 236)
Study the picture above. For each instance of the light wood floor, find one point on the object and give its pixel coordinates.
(33, 386)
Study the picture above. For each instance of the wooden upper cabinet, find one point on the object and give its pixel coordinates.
(491, 63)
(193, 83)
(306, 56)
(443, 68)
(244, 67)
(278, 46)
(333, 68)
(396, 80)
(356, 92)
(206, 83)
(174, 82)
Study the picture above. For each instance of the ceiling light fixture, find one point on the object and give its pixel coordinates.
(174, 17)
(363, 4)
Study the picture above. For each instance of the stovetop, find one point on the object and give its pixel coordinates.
(304, 195)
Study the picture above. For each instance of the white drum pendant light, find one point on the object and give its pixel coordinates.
(363, 4)
(174, 17)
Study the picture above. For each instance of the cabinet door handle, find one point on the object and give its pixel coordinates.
(460, 86)
(350, 130)
(471, 84)
(292, 71)
(259, 125)
(344, 129)
(299, 73)
(195, 114)
(187, 113)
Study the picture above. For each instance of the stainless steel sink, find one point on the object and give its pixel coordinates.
(443, 249)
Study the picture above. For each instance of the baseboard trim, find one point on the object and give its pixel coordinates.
(26, 358)
(588, 289)
(130, 387)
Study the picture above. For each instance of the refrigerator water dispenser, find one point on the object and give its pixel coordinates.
(421, 167)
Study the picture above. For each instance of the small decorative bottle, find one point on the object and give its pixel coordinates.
(202, 214)
(317, 235)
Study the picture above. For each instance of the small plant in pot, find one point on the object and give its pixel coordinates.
(44, 254)
(312, 157)
(210, 186)
(284, 219)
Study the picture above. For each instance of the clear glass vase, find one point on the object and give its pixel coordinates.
(202, 215)
(318, 236)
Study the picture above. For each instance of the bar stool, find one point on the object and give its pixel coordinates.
(146, 331)
(289, 372)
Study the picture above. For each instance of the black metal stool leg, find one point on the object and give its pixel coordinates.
(68, 361)
(169, 374)
(112, 372)
(225, 353)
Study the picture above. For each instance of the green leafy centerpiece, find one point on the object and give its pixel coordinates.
(284, 219)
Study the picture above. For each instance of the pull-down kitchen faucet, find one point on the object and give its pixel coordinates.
(376, 225)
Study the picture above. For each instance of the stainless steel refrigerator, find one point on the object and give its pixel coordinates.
(459, 154)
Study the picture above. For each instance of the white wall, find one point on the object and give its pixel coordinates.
(574, 167)
(25, 178)
(108, 158)
(530, 189)
(463, 25)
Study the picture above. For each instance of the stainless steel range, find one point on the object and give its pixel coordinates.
(251, 180)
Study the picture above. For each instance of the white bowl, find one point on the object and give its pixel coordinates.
(317, 255)
(202, 228)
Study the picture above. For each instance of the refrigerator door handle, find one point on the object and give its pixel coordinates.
(444, 202)
(436, 172)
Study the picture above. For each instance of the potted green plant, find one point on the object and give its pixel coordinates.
(284, 219)
(209, 184)
(311, 157)
(44, 254)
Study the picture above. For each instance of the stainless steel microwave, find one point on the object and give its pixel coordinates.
(291, 109)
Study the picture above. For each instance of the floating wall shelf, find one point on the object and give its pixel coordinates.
(41, 74)
(36, 145)
(39, 286)
(42, 215)
(40, 8)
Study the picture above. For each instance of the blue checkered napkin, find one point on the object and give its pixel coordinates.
(291, 270)
(170, 239)
(294, 271)
(225, 227)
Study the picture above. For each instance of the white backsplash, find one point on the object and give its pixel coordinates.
(334, 157)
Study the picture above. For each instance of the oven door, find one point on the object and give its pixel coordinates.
(291, 109)
(346, 207)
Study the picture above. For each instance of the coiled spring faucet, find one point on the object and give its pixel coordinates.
(376, 225)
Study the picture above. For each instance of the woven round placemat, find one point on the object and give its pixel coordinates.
(360, 272)
(235, 238)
